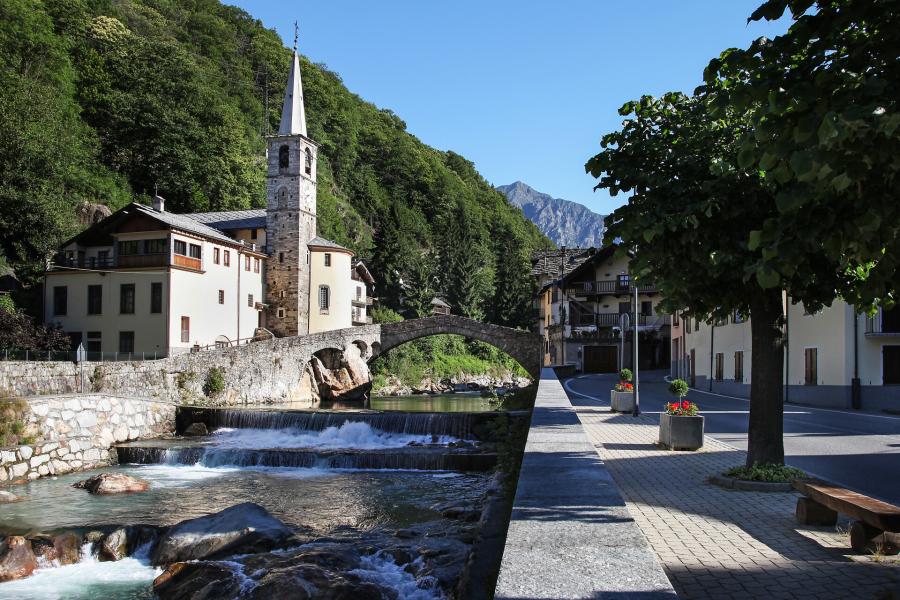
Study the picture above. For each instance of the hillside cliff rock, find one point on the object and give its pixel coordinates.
(565, 222)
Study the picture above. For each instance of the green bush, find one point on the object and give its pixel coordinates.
(215, 382)
(766, 472)
(626, 375)
(678, 388)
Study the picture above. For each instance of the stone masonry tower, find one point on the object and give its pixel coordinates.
(290, 213)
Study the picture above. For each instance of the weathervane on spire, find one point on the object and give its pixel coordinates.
(296, 34)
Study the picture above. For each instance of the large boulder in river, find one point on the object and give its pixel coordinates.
(112, 483)
(341, 375)
(239, 529)
(17, 560)
(62, 549)
(125, 541)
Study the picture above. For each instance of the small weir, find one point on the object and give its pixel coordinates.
(415, 458)
(458, 425)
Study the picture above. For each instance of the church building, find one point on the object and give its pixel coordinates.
(145, 282)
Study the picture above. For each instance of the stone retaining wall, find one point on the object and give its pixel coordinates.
(77, 431)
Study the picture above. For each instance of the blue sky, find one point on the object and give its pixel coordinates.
(525, 89)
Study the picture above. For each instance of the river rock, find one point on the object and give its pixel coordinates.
(242, 528)
(62, 549)
(17, 559)
(7, 497)
(196, 430)
(198, 581)
(114, 546)
(112, 483)
(341, 375)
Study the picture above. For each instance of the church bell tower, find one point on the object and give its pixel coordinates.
(290, 213)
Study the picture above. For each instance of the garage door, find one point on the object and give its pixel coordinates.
(600, 359)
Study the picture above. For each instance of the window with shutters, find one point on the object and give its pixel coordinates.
(327, 259)
(195, 251)
(126, 299)
(324, 298)
(739, 366)
(156, 297)
(126, 342)
(60, 300)
(226, 259)
(246, 263)
(812, 366)
(216, 255)
(180, 247)
(720, 366)
(95, 300)
(250, 300)
(256, 265)
(185, 329)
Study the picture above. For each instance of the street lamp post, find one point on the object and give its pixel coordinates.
(637, 406)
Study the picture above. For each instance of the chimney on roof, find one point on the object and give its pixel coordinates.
(159, 203)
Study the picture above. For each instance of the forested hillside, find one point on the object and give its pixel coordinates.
(101, 100)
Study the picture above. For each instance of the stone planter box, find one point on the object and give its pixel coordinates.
(621, 401)
(681, 433)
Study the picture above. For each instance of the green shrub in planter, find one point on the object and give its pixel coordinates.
(626, 375)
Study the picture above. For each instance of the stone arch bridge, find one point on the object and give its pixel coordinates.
(257, 373)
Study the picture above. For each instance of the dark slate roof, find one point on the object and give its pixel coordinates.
(232, 219)
(547, 263)
(182, 222)
(322, 242)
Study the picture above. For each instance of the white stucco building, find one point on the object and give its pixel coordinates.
(148, 282)
(834, 358)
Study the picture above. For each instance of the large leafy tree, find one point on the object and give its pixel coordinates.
(823, 104)
(687, 220)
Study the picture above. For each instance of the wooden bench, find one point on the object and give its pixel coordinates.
(875, 524)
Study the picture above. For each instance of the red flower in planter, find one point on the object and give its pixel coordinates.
(682, 408)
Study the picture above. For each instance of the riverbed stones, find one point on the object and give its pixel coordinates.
(114, 546)
(112, 483)
(7, 497)
(61, 549)
(242, 528)
(196, 429)
(17, 559)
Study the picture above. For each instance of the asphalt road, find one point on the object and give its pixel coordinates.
(857, 450)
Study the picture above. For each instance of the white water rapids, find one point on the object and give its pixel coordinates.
(350, 435)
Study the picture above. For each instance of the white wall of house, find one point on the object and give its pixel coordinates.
(149, 328)
(342, 289)
(196, 295)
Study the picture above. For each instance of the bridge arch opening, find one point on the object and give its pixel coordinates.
(522, 346)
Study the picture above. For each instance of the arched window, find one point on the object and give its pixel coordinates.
(284, 157)
(282, 198)
(324, 298)
(308, 161)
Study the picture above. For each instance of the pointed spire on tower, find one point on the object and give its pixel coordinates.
(293, 114)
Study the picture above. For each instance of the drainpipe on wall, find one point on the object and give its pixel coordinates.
(239, 261)
(712, 343)
(562, 295)
(855, 386)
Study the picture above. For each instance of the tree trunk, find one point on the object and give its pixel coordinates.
(766, 429)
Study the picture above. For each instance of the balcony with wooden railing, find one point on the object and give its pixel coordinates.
(603, 319)
(127, 261)
(614, 287)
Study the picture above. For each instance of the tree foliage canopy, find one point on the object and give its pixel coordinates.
(822, 103)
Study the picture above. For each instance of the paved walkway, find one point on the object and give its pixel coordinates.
(570, 535)
(715, 543)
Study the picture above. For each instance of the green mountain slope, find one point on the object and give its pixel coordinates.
(104, 100)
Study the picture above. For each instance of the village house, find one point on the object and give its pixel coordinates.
(834, 358)
(585, 301)
(149, 282)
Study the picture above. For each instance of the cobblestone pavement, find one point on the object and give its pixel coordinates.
(717, 543)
